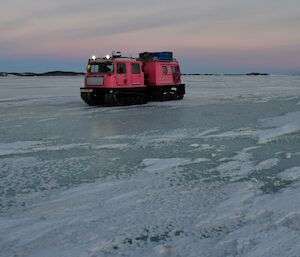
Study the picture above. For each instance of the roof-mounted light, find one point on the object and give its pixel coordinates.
(116, 54)
(107, 56)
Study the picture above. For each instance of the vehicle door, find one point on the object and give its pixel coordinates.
(176, 74)
(136, 74)
(121, 74)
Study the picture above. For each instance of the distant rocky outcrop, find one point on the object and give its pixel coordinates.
(61, 73)
(45, 74)
(231, 74)
(257, 74)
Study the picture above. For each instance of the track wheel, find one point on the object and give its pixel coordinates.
(88, 99)
(109, 99)
(180, 96)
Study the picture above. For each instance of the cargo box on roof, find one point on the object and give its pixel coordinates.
(163, 56)
(159, 56)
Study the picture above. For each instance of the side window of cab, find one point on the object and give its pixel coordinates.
(121, 68)
(135, 68)
(165, 70)
(173, 69)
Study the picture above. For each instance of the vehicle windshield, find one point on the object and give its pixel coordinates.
(103, 67)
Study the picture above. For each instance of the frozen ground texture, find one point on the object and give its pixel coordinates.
(214, 175)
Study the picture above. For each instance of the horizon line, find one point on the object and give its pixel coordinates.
(55, 72)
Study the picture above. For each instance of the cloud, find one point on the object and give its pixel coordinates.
(88, 18)
(78, 27)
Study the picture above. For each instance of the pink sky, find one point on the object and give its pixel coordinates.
(206, 36)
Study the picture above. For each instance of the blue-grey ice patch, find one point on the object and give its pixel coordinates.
(242, 164)
(19, 147)
(38, 90)
(157, 139)
(159, 165)
(236, 167)
(61, 147)
(25, 147)
(239, 89)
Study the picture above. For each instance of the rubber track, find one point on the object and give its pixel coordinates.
(167, 96)
(123, 99)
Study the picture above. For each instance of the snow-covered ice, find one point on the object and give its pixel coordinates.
(216, 174)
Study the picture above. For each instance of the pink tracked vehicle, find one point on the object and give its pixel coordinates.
(119, 80)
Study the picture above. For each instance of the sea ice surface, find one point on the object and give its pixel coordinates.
(215, 174)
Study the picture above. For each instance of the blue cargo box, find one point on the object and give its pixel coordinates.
(164, 56)
(160, 56)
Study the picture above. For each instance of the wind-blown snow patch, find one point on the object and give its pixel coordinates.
(245, 132)
(269, 135)
(201, 147)
(238, 166)
(208, 131)
(153, 165)
(157, 165)
(272, 129)
(290, 174)
(282, 125)
(242, 164)
(111, 146)
(266, 164)
(198, 160)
